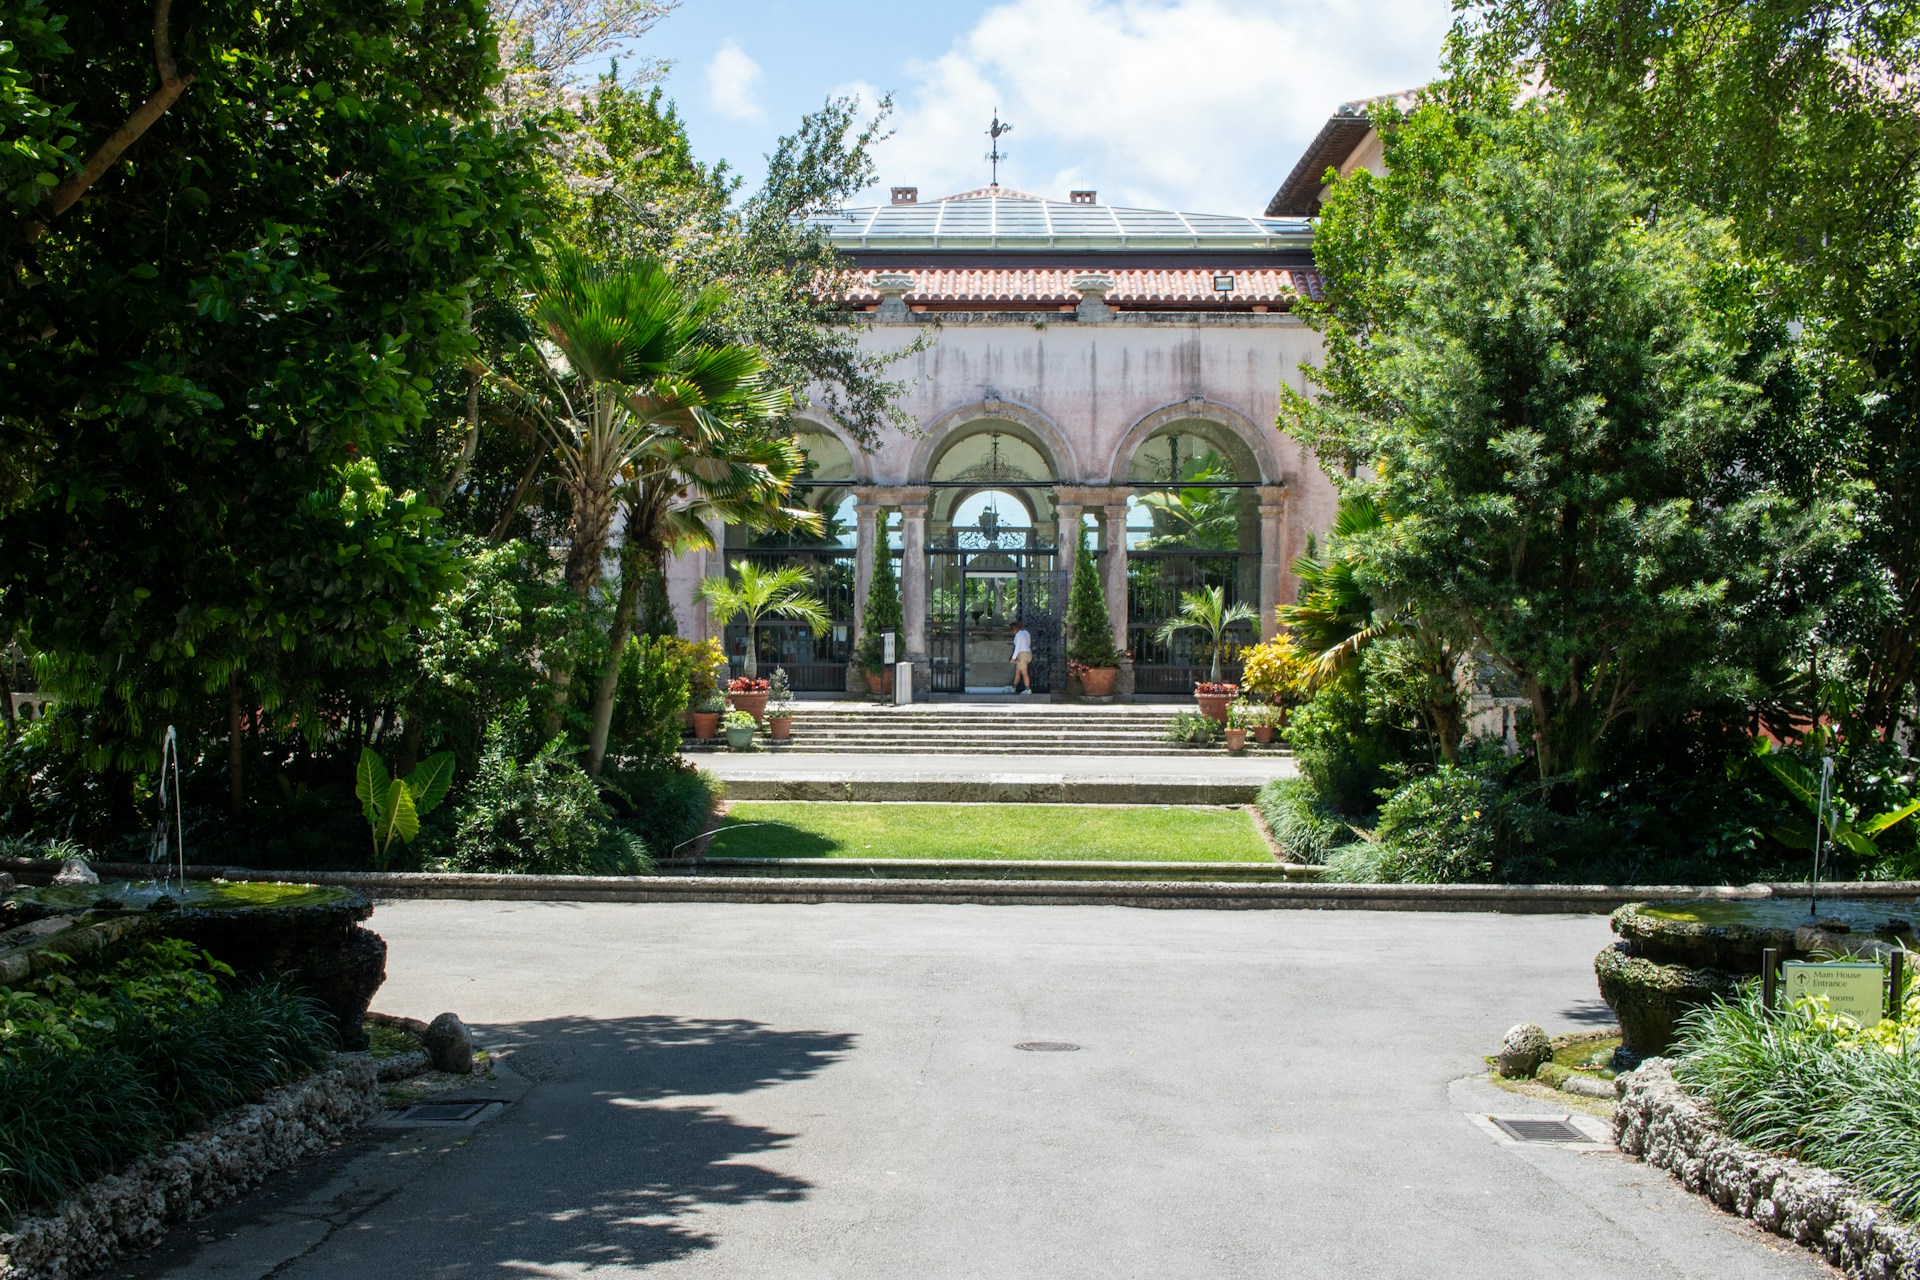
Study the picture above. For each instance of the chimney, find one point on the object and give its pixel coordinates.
(906, 195)
(1083, 197)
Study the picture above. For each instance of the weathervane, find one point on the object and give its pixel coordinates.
(996, 133)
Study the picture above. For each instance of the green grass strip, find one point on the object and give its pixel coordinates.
(1003, 832)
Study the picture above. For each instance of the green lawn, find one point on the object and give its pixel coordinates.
(1037, 832)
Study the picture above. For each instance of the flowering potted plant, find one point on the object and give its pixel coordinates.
(1266, 720)
(1209, 611)
(748, 694)
(1240, 718)
(706, 715)
(740, 727)
(779, 705)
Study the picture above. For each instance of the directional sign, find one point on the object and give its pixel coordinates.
(1857, 990)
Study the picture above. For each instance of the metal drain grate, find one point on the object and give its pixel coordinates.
(1527, 1130)
(442, 1112)
(1047, 1046)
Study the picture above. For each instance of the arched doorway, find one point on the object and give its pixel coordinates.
(1193, 524)
(991, 564)
(813, 663)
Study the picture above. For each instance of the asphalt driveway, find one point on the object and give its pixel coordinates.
(834, 1091)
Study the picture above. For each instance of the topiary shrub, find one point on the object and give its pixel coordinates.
(1089, 629)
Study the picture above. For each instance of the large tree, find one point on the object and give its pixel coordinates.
(238, 256)
(1570, 404)
(1798, 120)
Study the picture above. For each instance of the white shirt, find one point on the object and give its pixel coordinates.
(1022, 642)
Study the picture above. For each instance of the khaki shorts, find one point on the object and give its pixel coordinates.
(1021, 661)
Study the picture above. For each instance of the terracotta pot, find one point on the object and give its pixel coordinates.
(879, 683)
(781, 727)
(1214, 705)
(706, 724)
(754, 704)
(1263, 733)
(1097, 682)
(1236, 741)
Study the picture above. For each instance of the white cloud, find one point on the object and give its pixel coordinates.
(1191, 104)
(733, 83)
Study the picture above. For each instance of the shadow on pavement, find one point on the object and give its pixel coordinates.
(616, 1160)
(611, 1162)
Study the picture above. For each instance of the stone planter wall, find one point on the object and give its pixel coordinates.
(1659, 1122)
(186, 1179)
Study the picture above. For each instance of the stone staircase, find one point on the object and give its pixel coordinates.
(1003, 729)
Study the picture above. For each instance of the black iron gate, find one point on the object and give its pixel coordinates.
(1155, 582)
(983, 585)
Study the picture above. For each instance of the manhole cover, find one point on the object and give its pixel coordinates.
(442, 1112)
(1527, 1130)
(1047, 1046)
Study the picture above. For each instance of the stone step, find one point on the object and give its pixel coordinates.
(1129, 749)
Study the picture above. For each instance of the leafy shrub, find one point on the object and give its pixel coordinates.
(540, 817)
(1801, 1082)
(656, 682)
(665, 806)
(1304, 826)
(1346, 758)
(101, 1064)
(1441, 828)
(1191, 729)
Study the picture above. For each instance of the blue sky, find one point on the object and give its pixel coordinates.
(1200, 105)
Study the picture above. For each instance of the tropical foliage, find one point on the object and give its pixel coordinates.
(1207, 611)
(754, 593)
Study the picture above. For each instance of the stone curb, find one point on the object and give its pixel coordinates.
(1011, 789)
(1255, 872)
(185, 1179)
(1657, 1121)
(1555, 899)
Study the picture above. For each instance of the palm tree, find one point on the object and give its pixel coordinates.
(644, 406)
(1208, 610)
(754, 595)
(635, 381)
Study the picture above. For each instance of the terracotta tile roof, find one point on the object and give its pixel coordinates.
(1132, 287)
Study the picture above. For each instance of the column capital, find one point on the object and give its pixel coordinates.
(1273, 498)
(910, 498)
(1085, 495)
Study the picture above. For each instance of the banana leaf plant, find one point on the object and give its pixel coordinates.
(393, 807)
(1843, 822)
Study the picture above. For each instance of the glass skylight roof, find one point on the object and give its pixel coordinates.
(1025, 222)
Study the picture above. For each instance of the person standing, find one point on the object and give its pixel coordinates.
(1023, 660)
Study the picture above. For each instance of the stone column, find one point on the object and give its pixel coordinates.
(869, 535)
(1116, 512)
(705, 626)
(913, 581)
(1068, 515)
(1273, 554)
(869, 540)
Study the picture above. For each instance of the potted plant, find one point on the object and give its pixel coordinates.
(881, 615)
(706, 715)
(753, 594)
(749, 695)
(779, 705)
(1242, 716)
(740, 728)
(1092, 656)
(1267, 721)
(1209, 611)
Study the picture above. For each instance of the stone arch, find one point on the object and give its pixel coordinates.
(1259, 443)
(1015, 419)
(815, 421)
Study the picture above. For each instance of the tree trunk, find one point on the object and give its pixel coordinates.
(750, 665)
(236, 751)
(633, 565)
